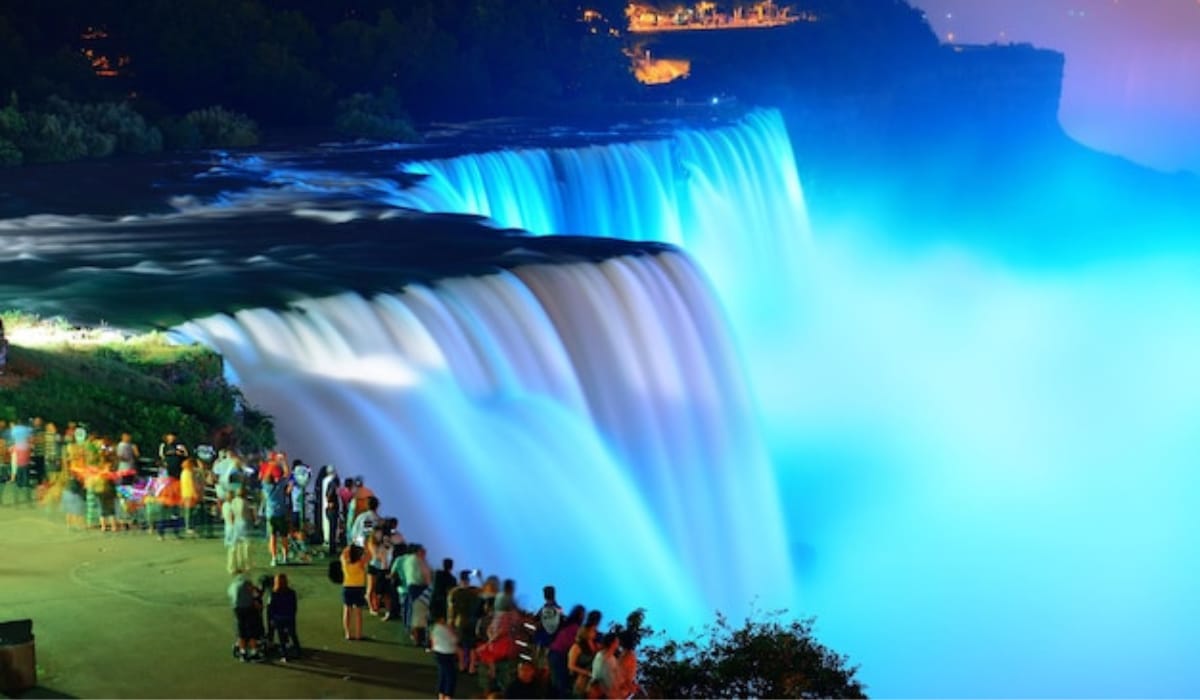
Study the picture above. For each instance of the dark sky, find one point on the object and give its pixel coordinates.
(1132, 83)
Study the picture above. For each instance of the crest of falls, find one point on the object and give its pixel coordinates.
(729, 196)
(581, 424)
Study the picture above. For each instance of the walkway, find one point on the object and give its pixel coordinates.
(124, 615)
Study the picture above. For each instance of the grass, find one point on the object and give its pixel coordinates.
(116, 382)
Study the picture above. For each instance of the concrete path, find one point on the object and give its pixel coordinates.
(125, 615)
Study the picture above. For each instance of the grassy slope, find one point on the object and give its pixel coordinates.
(141, 384)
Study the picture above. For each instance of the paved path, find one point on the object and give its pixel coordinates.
(125, 615)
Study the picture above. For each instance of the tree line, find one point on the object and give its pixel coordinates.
(290, 62)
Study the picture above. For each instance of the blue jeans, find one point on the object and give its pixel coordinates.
(447, 673)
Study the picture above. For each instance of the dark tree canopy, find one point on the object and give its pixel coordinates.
(288, 62)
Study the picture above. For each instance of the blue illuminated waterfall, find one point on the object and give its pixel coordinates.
(729, 196)
(582, 424)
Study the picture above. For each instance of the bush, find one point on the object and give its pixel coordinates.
(376, 117)
(129, 130)
(9, 153)
(218, 127)
(63, 131)
(761, 659)
(145, 385)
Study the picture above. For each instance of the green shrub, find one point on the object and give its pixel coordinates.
(130, 131)
(180, 134)
(769, 658)
(64, 131)
(376, 117)
(50, 138)
(222, 128)
(145, 385)
(9, 153)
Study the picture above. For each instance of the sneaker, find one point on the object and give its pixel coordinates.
(273, 562)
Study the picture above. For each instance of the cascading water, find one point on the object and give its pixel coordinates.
(730, 196)
(582, 424)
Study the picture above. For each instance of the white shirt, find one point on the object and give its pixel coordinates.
(443, 639)
(363, 524)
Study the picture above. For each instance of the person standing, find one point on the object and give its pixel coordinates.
(354, 590)
(127, 454)
(277, 509)
(332, 510)
(464, 600)
(235, 514)
(443, 642)
(281, 614)
(171, 452)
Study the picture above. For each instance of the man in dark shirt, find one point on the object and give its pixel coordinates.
(172, 453)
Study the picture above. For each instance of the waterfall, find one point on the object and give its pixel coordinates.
(730, 196)
(582, 424)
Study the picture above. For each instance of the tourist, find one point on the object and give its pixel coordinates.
(559, 648)
(628, 662)
(463, 604)
(354, 590)
(582, 654)
(549, 619)
(73, 501)
(525, 684)
(276, 507)
(359, 501)
(190, 490)
(20, 456)
(332, 510)
(507, 597)
(236, 515)
(107, 496)
(126, 453)
(443, 581)
(364, 522)
(274, 465)
(417, 577)
(606, 670)
(171, 454)
(379, 558)
(247, 615)
(298, 489)
(52, 449)
(501, 644)
(281, 618)
(443, 642)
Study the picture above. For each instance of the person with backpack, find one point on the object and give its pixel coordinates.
(549, 619)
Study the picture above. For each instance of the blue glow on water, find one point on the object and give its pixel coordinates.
(983, 434)
(986, 452)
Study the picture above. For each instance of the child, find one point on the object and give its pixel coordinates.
(247, 614)
(281, 619)
(443, 641)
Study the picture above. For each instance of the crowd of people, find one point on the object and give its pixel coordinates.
(468, 623)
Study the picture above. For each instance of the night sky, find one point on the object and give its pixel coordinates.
(1132, 84)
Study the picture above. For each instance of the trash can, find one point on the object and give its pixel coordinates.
(18, 662)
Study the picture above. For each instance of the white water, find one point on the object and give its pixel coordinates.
(583, 425)
(988, 468)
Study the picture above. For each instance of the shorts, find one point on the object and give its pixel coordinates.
(249, 623)
(354, 596)
(278, 524)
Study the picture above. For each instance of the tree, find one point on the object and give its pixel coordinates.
(770, 658)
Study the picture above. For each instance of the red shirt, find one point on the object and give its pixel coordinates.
(271, 467)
